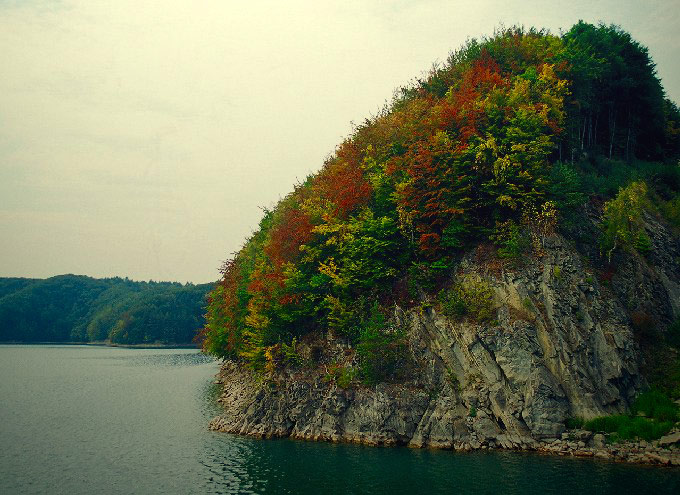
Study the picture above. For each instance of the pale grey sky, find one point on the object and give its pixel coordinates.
(139, 138)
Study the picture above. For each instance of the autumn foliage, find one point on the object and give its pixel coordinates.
(465, 155)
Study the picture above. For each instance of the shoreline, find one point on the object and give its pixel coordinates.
(622, 453)
(640, 452)
(656, 452)
(107, 344)
(389, 416)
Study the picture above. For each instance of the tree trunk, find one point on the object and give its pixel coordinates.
(612, 130)
(628, 150)
(583, 133)
(560, 150)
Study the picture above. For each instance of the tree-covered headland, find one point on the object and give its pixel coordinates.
(510, 140)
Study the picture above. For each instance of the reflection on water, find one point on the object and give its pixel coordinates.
(112, 420)
(174, 359)
(284, 466)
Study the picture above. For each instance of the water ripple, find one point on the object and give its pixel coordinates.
(101, 420)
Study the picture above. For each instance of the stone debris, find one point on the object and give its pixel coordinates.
(670, 439)
(637, 452)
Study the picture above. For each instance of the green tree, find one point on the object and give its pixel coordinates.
(622, 225)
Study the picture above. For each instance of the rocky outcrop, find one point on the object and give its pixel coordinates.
(561, 344)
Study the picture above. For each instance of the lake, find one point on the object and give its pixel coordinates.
(84, 419)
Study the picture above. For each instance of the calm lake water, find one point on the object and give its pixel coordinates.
(78, 419)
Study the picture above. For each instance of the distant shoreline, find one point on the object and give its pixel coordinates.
(108, 344)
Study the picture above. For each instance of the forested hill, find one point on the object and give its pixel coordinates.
(75, 308)
(516, 137)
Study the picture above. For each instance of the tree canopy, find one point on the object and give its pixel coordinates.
(498, 138)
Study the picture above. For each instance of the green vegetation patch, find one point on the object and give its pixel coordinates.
(622, 225)
(382, 352)
(624, 427)
(471, 296)
(656, 405)
(574, 423)
(653, 415)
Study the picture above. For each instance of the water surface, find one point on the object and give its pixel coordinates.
(80, 419)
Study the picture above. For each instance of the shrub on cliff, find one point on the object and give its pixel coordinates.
(623, 427)
(671, 210)
(470, 296)
(653, 415)
(622, 225)
(382, 351)
(655, 404)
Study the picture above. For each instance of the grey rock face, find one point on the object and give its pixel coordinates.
(561, 345)
(598, 441)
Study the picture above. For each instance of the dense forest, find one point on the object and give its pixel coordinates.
(506, 142)
(74, 308)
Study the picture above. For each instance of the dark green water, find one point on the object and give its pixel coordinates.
(109, 420)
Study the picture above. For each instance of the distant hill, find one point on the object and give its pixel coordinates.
(76, 308)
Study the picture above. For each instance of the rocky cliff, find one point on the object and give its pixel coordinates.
(563, 343)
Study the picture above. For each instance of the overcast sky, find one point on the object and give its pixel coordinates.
(140, 138)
